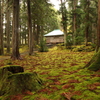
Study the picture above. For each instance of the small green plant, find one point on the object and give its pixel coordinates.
(42, 46)
(79, 40)
(60, 46)
(83, 48)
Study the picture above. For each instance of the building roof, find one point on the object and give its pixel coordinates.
(55, 33)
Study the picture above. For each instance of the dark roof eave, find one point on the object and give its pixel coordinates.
(54, 35)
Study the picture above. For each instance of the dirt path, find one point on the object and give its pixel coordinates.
(8, 57)
(4, 57)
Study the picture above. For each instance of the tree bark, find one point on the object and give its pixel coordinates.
(1, 31)
(64, 22)
(74, 21)
(30, 28)
(37, 34)
(8, 27)
(15, 34)
(87, 23)
(98, 27)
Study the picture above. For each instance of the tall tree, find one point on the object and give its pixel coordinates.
(86, 7)
(98, 27)
(15, 34)
(1, 31)
(8, 26)
(64, 20)
(30, 28)
(94, 63)
(75, 2)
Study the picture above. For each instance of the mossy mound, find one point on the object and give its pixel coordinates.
(61, 46)
(14, 81)
(83, 48)
(95, 62)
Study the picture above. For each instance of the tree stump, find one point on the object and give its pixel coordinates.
(13, 80)
(13, 68)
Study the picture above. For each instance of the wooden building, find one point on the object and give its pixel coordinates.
(55, 37)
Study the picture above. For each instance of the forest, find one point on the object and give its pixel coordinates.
(32, 69)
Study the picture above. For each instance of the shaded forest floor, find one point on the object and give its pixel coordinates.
(63, 76)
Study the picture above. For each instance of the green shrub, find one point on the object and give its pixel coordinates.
(79, 40)
(42, 46)
(60, 46)
(83, 48)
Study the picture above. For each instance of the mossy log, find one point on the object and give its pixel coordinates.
(15, 82)
(94, 64)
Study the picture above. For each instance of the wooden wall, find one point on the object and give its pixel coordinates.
(54, 39)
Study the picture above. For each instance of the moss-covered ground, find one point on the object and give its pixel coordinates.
(63, 75)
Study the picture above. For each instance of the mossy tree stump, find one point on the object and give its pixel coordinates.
(12, 68)
(13, 80)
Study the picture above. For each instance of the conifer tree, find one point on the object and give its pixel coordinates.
(94, 63)
(1, 31)
(15, 34)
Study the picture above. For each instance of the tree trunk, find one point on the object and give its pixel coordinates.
(94, 63)
(1, 32)
(25, 39)
(93, 34)
(74, 21)
(64, 21)
(87, 23)
(30, 28)
(98, 28)
(15, 35)
(37, 34)
(20, 34)
(8, 27)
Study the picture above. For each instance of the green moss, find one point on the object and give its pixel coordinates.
(2, 98)
(22, 82)
(14, 81)
(83, 48)
(96, 62)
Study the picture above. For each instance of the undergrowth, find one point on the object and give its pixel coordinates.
(63, 75)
